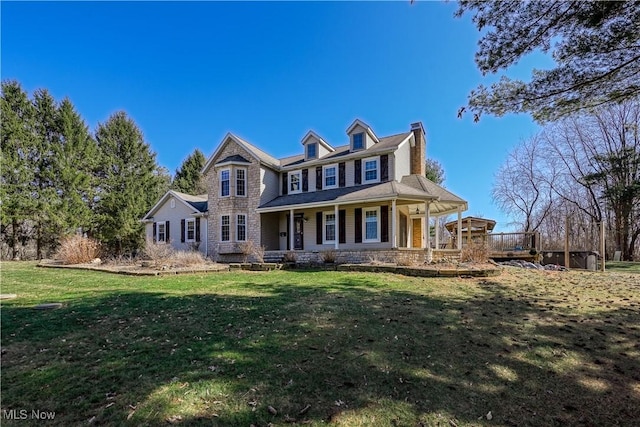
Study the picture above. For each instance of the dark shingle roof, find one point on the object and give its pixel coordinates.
(199, 202)
(234, 158)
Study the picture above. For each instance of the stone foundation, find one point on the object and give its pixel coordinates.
(406, 257)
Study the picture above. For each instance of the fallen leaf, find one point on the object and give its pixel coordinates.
(272, 410)
(489, 416)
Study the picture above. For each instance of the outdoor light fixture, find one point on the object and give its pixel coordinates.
(417, 211)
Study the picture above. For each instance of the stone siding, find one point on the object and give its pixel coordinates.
(232, 205)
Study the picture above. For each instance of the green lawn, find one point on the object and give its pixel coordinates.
(623, 266)
(356, 349)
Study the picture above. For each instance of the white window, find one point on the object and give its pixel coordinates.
(161, 232)
(312, 150)
(371, 225)
(190, 225)
(173, 203)
(241, 228)
(295, 182)
(358, 141)
(329, 227)
(224, 229)
(330, 178)
(241, 182)
(224, 182)
(370, 170)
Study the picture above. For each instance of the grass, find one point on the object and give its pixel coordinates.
(354, 349)
(623, 266)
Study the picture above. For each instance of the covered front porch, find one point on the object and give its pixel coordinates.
(390, 216)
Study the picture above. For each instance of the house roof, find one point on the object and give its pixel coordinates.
(254, 151)
(358, 122)
(236, 158)
(197, 203)
(386, 144)
(413, 190)
(319, 138)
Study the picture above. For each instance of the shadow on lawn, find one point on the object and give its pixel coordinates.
(355, 354)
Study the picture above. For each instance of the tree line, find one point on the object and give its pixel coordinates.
(584, 168)
(58, 178)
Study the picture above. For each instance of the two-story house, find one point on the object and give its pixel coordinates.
(366, 196)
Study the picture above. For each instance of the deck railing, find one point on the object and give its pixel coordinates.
(512, 242)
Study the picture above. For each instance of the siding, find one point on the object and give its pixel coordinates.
(310, 231)
(175, 216)
(401, 162)
(269, 184)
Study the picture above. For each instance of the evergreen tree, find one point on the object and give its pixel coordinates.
(42, 159)
(75, 159)
(129, 184)
(188, 177)
(17, 174)
(595, 45)
(434, 171)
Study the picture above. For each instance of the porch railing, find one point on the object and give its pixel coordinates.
(514, 242)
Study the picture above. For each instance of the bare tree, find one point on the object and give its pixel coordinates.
(519, 187)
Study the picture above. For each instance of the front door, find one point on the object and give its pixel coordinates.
(416, 241)
(298, 233)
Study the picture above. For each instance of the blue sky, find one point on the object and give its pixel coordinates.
(188, 73)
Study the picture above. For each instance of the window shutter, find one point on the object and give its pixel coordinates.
(357, 178)
(341, 178)
(197, 229)
(342, 227)
(358, 224)
(319, 228)
(305, 179)
(155, 232)
(384, 167)
(284, 184)
(167, 237)
(384, 223)
(318, 177)
(182, 230)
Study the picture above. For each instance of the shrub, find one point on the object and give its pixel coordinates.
(77, 250)
(477, 252)
(250, 248)
(158, 252)
(187, 258)
(290, 256)
(329, 256)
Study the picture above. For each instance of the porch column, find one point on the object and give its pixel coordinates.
(469, 231)
(437, 219)
(427, 218)
(337, 231)
(291, 243)
(459, 237)
(394, 239)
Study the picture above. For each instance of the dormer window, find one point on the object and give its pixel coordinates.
(312, 150)
(358, 141)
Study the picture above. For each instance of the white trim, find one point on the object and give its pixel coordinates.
(324, 176)
(306, 150)
(229, 225)
(163, 200)
(220, 182)
(246, 146)
(364, 142)
(164, 232)
(238, 225)
(367, 128)
(364, 225)
(289, 182)
(351, 202)
(324, 227)
(244, 170)
(320, 140)
(364, 179)
(188, 221)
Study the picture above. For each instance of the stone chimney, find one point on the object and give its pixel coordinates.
(418, 151)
